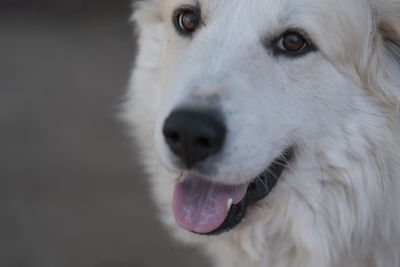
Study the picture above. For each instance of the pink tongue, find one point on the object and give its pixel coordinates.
(201, 206)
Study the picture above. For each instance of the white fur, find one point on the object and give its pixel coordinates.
(338, 203)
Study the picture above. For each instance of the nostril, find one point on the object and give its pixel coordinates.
(173, 137)
(203, 142)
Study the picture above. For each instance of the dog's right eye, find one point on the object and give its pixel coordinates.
(186, 21)
(293, 43)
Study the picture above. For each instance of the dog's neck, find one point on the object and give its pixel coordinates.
(361, 166)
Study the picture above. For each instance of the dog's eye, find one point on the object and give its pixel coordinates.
(293, 43)
(186, 21)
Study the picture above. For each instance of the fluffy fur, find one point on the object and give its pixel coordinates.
(338, 202)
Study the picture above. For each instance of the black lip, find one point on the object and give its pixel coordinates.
(257, 190)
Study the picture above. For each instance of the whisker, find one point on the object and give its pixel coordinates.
(285, 165)
(262, 183)
(272, 174)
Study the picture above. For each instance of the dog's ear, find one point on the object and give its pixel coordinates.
(384, 66)
(147, 17)
(147, 11)
(389, 29)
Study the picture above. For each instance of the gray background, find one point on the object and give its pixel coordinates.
(72, 192)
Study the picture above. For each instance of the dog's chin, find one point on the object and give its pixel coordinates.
(198, 189)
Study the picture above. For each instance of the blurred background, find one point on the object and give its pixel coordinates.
(72, 193)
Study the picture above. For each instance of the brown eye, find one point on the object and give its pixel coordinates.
(293, 43)
(187, 21)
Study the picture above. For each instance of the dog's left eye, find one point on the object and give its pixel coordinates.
(293, 43)
(186, 21)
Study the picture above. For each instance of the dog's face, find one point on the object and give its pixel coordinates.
(246, 86)
(264, 68)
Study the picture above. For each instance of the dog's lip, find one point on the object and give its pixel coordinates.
(257, 189)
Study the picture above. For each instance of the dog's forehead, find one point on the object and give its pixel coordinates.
(334, 26)
(274, 14)
(238, 9)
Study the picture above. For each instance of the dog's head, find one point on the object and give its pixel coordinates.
(245, 94)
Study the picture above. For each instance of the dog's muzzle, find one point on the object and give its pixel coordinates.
(200, 205)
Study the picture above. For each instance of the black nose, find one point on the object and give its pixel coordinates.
(194, 135)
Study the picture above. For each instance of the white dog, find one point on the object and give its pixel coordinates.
(271, 128)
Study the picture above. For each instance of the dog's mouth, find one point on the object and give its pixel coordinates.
(203, 207)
